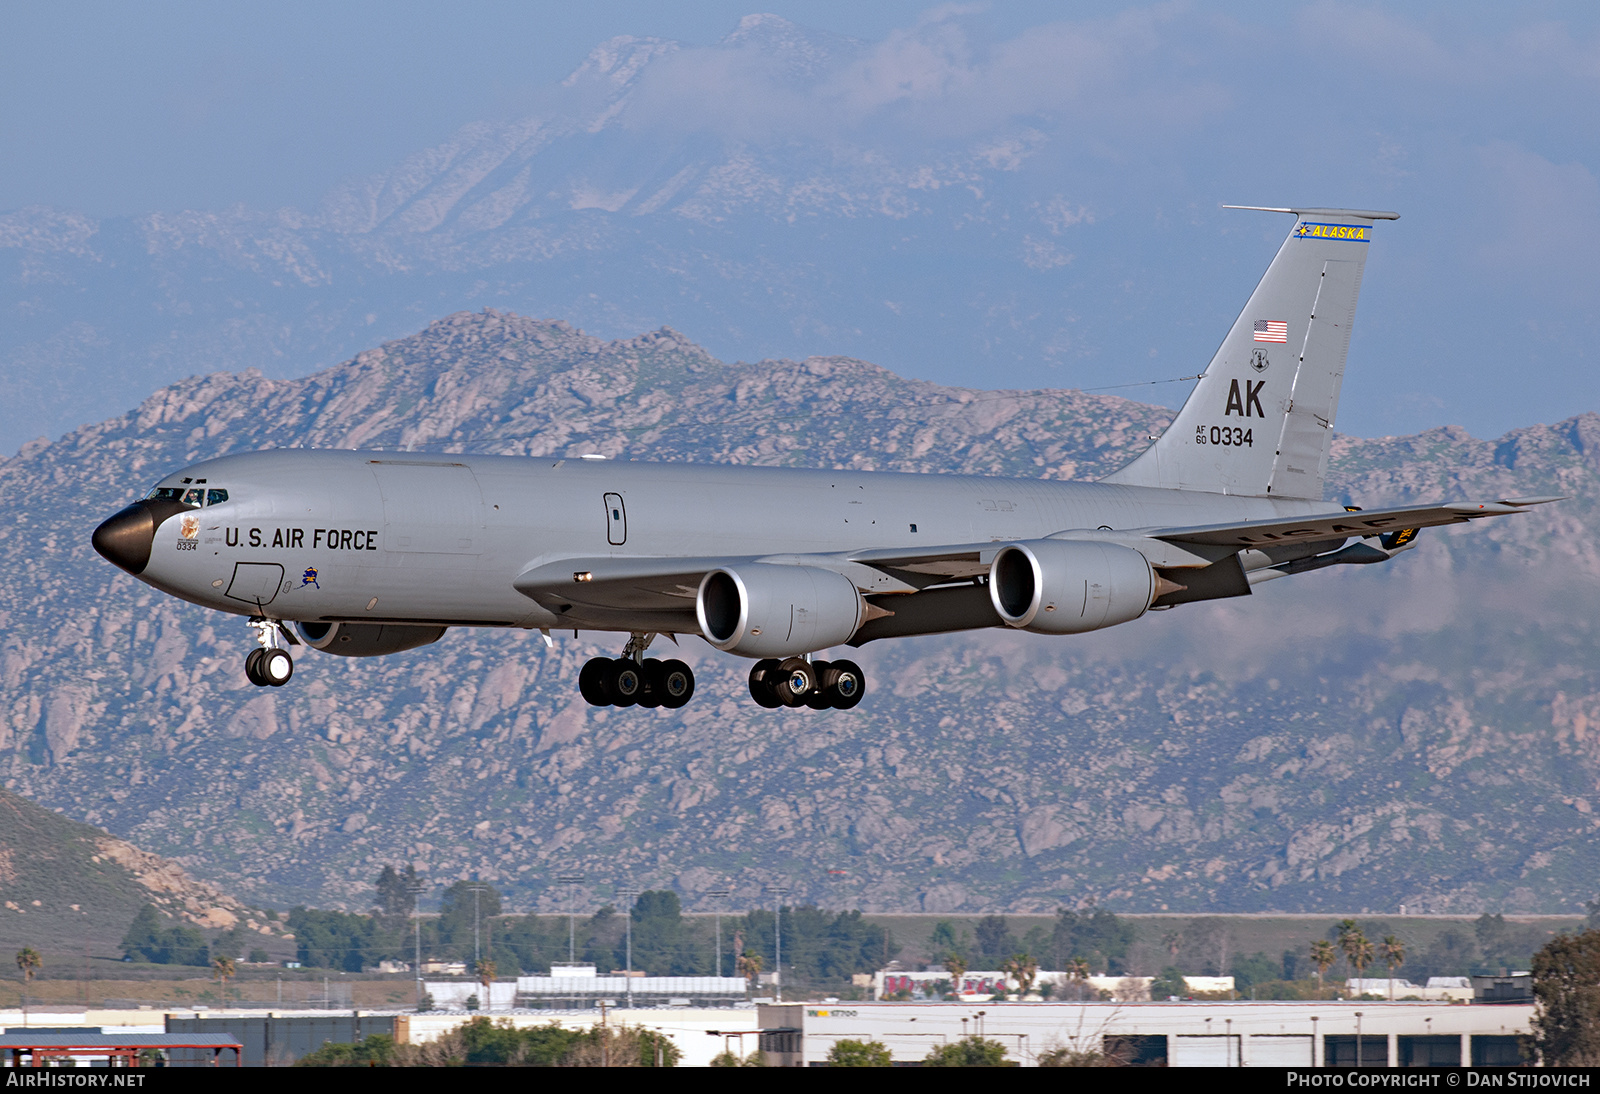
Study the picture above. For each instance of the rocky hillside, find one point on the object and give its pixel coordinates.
(64, 884)
(1426, 732)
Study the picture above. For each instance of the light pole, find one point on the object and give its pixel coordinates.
(628, 894)
(777, 933)
(719, 895)
(571, 881)
(476, 889)
(415, 889)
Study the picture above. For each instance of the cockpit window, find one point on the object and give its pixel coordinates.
(192, 495)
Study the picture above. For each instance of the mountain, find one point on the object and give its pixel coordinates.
(1425, 732)
(790, 227)
(66, 884)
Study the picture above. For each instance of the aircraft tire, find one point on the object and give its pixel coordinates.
(760, 690)
(844, 684)
(624, 682)
(651, 683)
(818, 698)
(252, 667)
(592, 681)
(790, 672)
(276, 667)
(677, 684)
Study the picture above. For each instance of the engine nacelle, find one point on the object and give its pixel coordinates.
(1066, 586)
(761, 610)
(366, 639)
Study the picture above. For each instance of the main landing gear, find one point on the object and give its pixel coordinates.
(271, 665)
(636, 680)
(796, 682)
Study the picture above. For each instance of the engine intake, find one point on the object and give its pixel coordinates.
(762, 610)
(366, 639)
(1066, 586)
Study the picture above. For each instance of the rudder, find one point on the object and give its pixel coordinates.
(1260, 420)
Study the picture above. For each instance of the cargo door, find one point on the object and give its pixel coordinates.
(430, 508)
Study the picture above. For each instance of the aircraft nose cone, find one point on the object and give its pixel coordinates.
(124, 540)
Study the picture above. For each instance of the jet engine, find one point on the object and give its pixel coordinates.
(761, 610)
(1067, 586)
(366, 639)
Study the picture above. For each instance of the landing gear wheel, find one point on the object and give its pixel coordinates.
(650, 693)
(624, 682)
(252, 667)
(275, 667)
(592, 681)
(676, 684)
(844, 684)
(817, 698)
(794, 680)
(760, 686)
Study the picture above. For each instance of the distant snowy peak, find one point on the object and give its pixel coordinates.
(619, 60)
(800, 50)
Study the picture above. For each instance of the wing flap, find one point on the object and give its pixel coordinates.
(1368, 522)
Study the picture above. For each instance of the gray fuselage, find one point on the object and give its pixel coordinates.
(404, 537)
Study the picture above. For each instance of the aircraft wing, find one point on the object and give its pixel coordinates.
(1326, 526)
(629, 584)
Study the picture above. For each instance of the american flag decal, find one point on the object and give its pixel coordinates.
(1271, 330)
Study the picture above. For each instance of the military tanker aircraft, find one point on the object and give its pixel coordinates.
(369, 553)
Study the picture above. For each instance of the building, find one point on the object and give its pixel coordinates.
(981, 985)
(1209, 1034)
(1450, 989)
(576, 987)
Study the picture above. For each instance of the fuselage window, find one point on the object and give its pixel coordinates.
(216, 497)
(165, 493)
(194, 497)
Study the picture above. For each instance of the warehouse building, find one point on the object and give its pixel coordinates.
(1241, 1034)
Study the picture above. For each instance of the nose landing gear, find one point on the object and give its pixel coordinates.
(796, 682)
(635, 680)
(271, 665)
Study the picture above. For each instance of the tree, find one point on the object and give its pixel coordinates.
(1360, 954)
(29, 961)
(859, 1054)
(395, 896)
(1168, 984)
(485, 970)
(749, 967)
(222, 970)
(969, 1052)
(144, 934)
(1023, 969)
(1323, 957)
(956, 966)
(1566, 989)
(1393, 952)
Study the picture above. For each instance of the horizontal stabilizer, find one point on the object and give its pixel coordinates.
(1369, 522)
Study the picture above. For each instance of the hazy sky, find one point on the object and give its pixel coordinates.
(1478, 121)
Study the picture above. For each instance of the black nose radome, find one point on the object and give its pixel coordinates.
(124, 540)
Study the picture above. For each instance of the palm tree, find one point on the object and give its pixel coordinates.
(1078, 969)
(222, 970)
(956, 966)
(29, 961)
(1359, 952)
(1394, 955)
(485, 969)
(1023, 969)
(1323, 957)
(749, 966)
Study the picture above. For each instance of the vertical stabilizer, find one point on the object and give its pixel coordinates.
(1260, 421)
